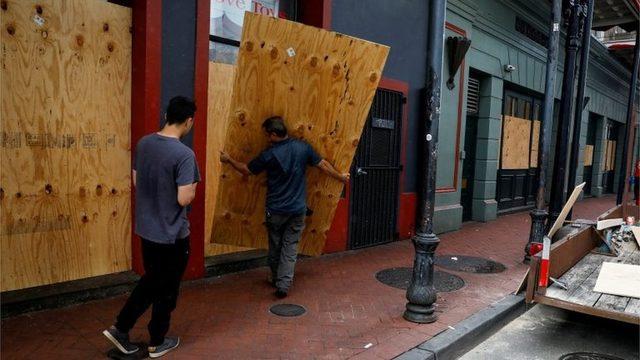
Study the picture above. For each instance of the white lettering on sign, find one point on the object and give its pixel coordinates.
(266, 7)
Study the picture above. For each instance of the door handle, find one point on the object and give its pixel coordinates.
(361, 172)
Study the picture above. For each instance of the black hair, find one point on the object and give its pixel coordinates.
(180, 108)
(275, 125)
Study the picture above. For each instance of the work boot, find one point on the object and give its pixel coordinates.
(169, 344)
(120, 340)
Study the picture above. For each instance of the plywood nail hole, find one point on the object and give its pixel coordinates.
(105, 27)
(79, 40)
(48, 189)
(326, 57)
(336, 70)
(114, 191)
(313, 231)
(249, 46)
(110, 47)
(85, 218)
(3, 5)
(355, 142)
(373, 77)
(1, 193)
(245, 222)
(227, 216)
(292, 88)
(39, 9)
(99, 190)
(314, 61)
(18, 195)
(262, 44)
(114, 213)
(45, 34)
(83, 191)
(274, 53)
(11, 29)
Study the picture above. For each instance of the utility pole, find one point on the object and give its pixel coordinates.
(558, 189)
(421, 294)
(633, 84)
(582, 82)
(539, 214)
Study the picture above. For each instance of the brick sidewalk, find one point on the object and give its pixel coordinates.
(227, 317)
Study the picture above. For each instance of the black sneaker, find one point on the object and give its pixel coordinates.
(120, 340)
(169, 344)
(281, 293)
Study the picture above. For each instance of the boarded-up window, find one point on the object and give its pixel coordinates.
(588, 155)
(515, 143)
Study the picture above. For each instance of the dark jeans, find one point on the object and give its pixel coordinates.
(284, 234)
(164, 265)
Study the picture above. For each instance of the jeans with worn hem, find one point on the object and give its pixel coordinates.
(164, 265)
(284, 233)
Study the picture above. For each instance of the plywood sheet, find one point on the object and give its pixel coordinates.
(619, 279)
(515, 143)
(588, 155)
(65, 151)
(610, 156)
(221, 78)
(323, 84)
(535, 144)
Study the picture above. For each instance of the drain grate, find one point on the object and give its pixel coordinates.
(287, 310)
(588, 356)
(400, 278)
(469, 264)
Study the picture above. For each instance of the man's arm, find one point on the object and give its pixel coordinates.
(238, 165)
(328, 169)
(186, 194)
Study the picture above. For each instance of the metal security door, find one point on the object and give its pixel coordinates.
(376, 174)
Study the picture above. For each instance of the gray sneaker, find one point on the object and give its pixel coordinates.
(120, 340)
(169, 344)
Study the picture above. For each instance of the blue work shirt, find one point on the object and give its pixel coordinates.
(162, 164)
(286, 163)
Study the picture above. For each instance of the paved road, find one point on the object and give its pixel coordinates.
(546, 333)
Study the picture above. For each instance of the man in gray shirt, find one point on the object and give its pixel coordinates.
(165, 175)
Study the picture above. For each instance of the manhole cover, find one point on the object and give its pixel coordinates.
(469, 264)
(588, 356)
(287, 310)
(400, 278)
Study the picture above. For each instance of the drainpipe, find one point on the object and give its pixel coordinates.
(539, 214)
(558, 191)
(582, 80)
(421, 294)
(630, 118)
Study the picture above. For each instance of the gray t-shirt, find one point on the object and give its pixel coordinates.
(162, 164)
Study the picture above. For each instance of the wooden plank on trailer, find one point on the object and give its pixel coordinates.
(608, 223)
(575, 276)
(220, 89)
(633, 307)
(613, 302)
(619, 279)
(65, 151)
(322, 83)
(565, 210)
(636, 233)
(590, 310)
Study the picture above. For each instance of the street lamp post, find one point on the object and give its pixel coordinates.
(421, 295)
(539, 214)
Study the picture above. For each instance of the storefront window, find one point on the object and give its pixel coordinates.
(226, 20)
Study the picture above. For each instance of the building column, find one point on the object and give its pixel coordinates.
(598, 157)
(485, 206)
(584, 127)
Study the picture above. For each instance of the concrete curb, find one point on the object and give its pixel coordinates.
(468, 333)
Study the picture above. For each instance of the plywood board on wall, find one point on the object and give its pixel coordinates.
(535, 144)
(588, 155)
(221, 78)
(323, 84)
(65, 151)
(516, 137)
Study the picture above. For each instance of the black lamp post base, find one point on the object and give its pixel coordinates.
(420, 314)
(421, 294)
(538, 228)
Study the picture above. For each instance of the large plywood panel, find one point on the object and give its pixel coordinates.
(535, 144)
(221, 78)
(515, 143)
(65, 152)
(588, 155)
(323, 84)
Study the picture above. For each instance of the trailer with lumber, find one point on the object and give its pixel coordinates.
(584, 279)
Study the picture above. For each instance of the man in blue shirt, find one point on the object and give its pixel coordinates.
(165, 175)
(285, 162)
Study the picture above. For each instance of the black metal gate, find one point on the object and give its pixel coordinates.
(376, 174)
